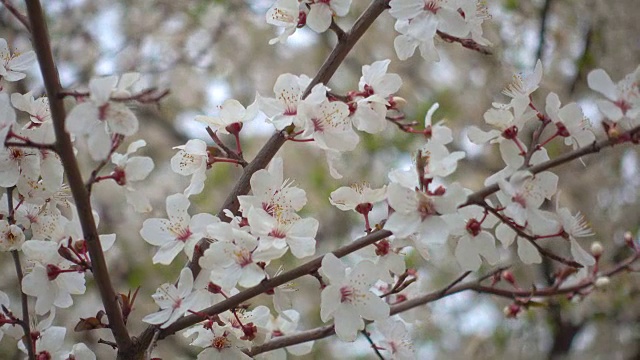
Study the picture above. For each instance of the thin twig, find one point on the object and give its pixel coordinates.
(373, 345)
(17, 14)
(24, 322)
(544, 16)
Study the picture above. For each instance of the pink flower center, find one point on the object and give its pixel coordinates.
(183, 234)
(346, 294)
(220, 342)
(243, 258)
(431, 6)
(474, 227)
(623, 105)
(318, 126)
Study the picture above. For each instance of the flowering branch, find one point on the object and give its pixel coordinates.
(451, 289)
(479, 196)
(64, 146)
(530, 238)
(466, 43)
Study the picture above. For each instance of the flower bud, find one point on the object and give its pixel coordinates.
(596, 249)
(398, 102)
(602, 282)
(628, 239)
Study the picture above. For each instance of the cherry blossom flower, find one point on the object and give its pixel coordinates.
(7, 117)
(49, 344)
(575, 226)
(220, 343)
(11, 236)
(523, 194)
(322, 12)
(418, 21)
(100, 117)
(505, 123)
(235, 258)
(349, 198)
(179, 232)
(328, 124)
(359, 198)
(174, 301)
(623, 97)
(285, 230)
(396, 340)
(389, 258)
(375, 87)
(419, 212)
(287, 324)
(38, 109)
(469, 226)
(475, 13)
(130, 170)
(272, 192)
(12, 67)
(79, 351)
(231, 118)
(570, 122)
(192, 160)
(521, 88)
(15, 161)
(52, 279)
(347, 299)
(439, 132)
(285, 14)
(283, 110)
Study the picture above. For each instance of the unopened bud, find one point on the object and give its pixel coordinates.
(508, 276)
(596, 249)
(628, 239)
(602, 282)
(512, 310)
(398, 102)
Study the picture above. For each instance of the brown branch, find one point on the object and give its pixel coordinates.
(17, 14)
(42, 47)
(466, 43)
(228, 152)
(24, 300)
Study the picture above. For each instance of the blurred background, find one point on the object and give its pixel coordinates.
(207, 51)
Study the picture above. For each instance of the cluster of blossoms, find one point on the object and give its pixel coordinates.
(417, 21)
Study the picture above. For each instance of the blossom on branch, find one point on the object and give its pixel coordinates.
(12, 67)
(177, 233)
(100, 118)
(348, 299)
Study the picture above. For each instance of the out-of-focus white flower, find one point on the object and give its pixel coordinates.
(12, 67)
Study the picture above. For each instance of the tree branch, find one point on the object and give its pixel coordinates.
(17, 14)
(24, 300)
(42, 47)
